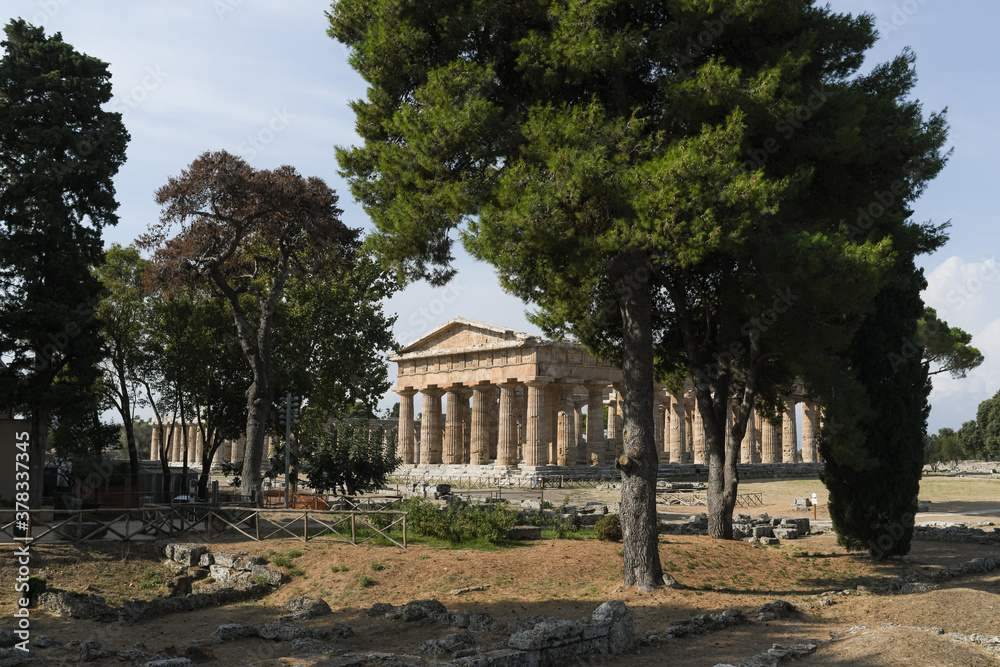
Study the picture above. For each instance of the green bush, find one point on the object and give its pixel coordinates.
(609, 529)
(460, 523)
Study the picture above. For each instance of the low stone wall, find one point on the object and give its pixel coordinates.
(955, 532)
(458, 475)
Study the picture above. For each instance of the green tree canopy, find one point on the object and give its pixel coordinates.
(59, 151)
(713, 183)
(946, 348)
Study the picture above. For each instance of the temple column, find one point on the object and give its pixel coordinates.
(770, 442)
(553, 401)
(566, 451)
(535, 446)
(405, 446)
(199, 445)
(688, 434)
(154, 446)
(452, 427)
(562, 438)
(240, 449)
(480, 443)
(507, 429)
(611, 444)
(595, 423)
(177, 443)
(581, 445)
(466, 414)
(430, 426)
(699, 436)
(810, 425)
(493, 404)
(789, 437)
(658, 421)
(665, 428)
(749, 438)
(678, 432)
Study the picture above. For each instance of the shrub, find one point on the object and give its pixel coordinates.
(609, 529)
(457, 524)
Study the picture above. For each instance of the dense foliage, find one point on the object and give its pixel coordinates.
(59, 152)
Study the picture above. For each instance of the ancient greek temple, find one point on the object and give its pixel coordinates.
(530, 403)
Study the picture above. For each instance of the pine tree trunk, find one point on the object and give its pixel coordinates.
(723, 477)
(639, 464)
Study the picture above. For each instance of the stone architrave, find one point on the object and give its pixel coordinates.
(770, 442)
(749, 439)
(810, 424)
(789, 437)
(535, 445)
(480, 446)
(453, 427)
(507, 436)
(430, 426)
(595, 423)
(678, 430)
(405, 448)
(699, 436)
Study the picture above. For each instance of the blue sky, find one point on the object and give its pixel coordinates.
(262, 79)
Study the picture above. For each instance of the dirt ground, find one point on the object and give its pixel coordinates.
(568, 579)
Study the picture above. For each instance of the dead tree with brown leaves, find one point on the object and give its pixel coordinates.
(245, 232)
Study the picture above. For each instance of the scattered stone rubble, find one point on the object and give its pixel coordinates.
(762, 529)
(779, 653)
(703, 624)
(955, 532)
(914, 583)
(235, 577)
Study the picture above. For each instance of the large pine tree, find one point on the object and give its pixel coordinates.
(59, 151)
(675, 182)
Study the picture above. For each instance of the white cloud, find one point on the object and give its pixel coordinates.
(966, 295)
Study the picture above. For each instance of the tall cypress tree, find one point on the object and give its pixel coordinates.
(59, 151)
(873, 493)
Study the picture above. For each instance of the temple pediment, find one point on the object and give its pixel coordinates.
(461, 333)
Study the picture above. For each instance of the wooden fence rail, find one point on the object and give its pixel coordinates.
(205, 522)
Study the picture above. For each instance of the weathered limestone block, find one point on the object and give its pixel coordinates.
(621, 631)
(74, 605)
(763, 531)
(288, 632)
(449, 644)
(785, 533)
(228, 632)
(187, 555)
(305, 608)
(547, 634)
(272, 577)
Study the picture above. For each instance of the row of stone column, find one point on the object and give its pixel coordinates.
(230, 451)
(532, 423)
(764, 441)
(537, 423)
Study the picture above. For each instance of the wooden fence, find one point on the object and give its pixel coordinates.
(204, 522)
